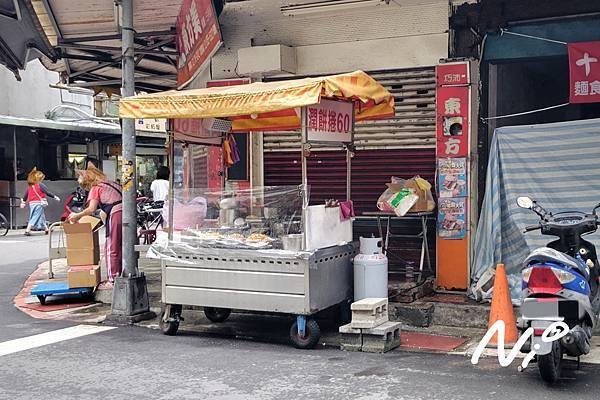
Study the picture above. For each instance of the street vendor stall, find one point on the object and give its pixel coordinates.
(264, 249)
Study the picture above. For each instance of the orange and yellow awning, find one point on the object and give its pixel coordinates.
(264, 106)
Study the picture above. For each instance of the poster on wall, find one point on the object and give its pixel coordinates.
(452, 218)
(452, 177)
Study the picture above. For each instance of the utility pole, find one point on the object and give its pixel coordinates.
(130, 293)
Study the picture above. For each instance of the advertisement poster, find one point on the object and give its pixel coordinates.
(452, 177)
(452, 218)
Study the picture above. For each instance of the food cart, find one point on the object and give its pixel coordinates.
(242, 262)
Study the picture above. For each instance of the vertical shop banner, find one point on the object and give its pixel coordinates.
(198, 38)
(452, 109)
(330, 121)
(452, 177)
(584, 72)
(452, 218)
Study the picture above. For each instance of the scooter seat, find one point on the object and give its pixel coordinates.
(546, 254)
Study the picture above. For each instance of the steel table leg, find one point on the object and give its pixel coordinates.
(426, 242)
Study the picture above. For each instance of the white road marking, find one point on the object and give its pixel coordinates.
(11, 241)
(44, 339)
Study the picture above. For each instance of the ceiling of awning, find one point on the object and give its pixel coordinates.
(21, 37)
(85, 38)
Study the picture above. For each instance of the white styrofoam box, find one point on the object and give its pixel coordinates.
(324, 228)
(369, 313)
(267, 60)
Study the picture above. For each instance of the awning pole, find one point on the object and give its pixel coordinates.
(130, 294)
(303, 149)
(171, 138)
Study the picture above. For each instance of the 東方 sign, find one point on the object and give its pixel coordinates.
(198, 38)
(452, 110)
(584, 72)
(330, 121)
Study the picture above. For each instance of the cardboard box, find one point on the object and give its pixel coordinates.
(82, 244)
(83, 276)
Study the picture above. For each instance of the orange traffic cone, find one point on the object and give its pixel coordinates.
(502, 308)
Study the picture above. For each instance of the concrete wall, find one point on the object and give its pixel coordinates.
(32, 97)
(403, 33)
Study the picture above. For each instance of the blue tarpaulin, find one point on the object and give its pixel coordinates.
(558, 165)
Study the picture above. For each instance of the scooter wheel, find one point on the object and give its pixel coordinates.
(550, 364)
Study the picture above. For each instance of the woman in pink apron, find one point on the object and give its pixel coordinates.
(106, 196)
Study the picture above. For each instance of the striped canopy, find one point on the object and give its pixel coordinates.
(264, 106)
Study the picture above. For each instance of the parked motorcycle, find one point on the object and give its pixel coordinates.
(74, 203)
(149, 219)
(560, 283)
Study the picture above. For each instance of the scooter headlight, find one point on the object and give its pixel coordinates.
(563, 276)
(526, 273)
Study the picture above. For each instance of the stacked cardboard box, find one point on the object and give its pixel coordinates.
(83, 253)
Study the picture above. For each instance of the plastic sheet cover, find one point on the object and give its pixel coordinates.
(255, 219)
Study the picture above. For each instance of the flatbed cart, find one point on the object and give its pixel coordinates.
(58, 288)
(298, 283)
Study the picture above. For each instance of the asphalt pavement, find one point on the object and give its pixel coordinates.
(64, 361)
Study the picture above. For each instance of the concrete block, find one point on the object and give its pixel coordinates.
(415, 314)
(382, 338)
(350, 338)
(369, 313)
(348, 329)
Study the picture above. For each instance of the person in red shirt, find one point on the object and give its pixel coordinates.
(37, 196)
(106, 196)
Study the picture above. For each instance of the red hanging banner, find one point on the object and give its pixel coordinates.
(584, 72)
(198, 38)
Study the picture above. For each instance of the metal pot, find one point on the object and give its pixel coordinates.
(292, 242)
(227, 216)
(227, 203)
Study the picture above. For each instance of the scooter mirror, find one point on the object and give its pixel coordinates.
(525, 202)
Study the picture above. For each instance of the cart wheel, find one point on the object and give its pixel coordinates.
(42, 300)
(171, 325)
(311, 336)
(217, 314)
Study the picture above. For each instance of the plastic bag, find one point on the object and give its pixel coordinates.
(422, 189)
(403, 201)
(382, 201)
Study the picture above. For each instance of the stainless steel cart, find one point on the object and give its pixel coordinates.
(298, 283)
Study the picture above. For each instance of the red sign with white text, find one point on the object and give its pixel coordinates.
(452, 74)
(584, 72)
(198, 38)
(452, 112)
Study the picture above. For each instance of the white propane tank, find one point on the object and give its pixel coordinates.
(370, 270)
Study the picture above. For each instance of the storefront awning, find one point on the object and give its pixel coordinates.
(264, 106)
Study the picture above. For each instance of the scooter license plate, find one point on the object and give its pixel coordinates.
(550, 308)
(533, 309)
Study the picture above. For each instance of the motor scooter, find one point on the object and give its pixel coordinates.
(74, 203)
(560, 283)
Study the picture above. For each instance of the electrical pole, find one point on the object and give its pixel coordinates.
(130, 293)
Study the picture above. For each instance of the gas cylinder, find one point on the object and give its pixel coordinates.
(370, 270)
